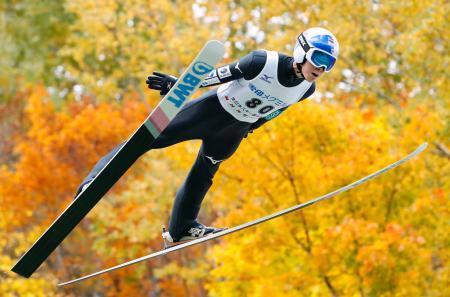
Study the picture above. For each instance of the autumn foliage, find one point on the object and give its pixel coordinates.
(72, 87)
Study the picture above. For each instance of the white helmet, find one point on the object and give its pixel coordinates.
(318, 46)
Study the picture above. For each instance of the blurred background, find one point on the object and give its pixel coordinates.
(72, 86)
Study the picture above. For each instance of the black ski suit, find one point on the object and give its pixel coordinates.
(204, 118)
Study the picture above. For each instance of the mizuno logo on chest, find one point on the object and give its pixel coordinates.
(266, 78)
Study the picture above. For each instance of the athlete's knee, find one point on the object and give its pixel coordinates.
(211, 163)
(214, 161)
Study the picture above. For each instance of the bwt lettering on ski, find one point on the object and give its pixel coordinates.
(122, 159)
(191, 82)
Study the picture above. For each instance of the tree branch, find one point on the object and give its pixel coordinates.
(442, 150)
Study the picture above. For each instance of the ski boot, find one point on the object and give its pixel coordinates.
(195, 232)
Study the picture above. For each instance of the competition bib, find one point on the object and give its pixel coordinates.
(249, 100)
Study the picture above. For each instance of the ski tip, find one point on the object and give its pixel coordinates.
(215, 41)
(216, 45)
(421, 147)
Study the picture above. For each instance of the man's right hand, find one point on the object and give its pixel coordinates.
(161, 82)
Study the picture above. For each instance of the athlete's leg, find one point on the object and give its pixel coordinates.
(196, 119)
(189, 197)
(191, 122)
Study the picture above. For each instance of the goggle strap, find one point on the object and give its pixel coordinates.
(304, 44)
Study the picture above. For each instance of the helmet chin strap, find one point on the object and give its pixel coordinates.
(298, 69)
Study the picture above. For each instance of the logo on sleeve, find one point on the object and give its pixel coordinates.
(237, 68)
(211, 74)
(210, 81)
(224, 71)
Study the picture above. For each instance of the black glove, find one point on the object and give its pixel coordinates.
(161, 82)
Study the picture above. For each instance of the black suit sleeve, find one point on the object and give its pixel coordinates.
(247, 67)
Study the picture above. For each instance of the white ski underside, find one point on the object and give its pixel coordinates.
(419, 149)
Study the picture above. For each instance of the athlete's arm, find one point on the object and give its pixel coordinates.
(247, 67)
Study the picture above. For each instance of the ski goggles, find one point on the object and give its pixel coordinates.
(316, 56)
(320, 59)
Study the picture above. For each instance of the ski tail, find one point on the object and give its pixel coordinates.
(157, 121)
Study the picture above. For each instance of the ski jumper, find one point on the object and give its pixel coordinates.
(252, 91)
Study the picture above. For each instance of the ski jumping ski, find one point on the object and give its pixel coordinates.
(152, 127)
(166, 251)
